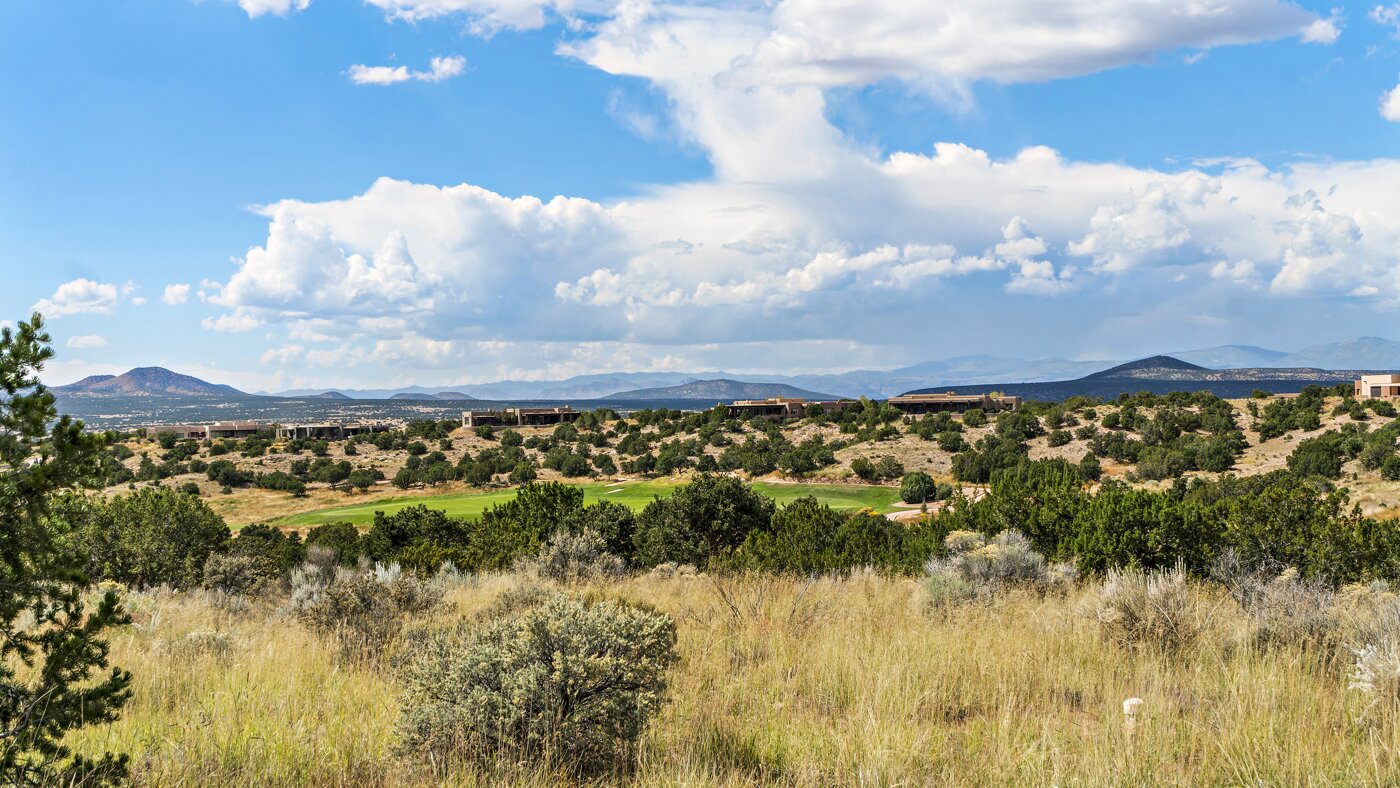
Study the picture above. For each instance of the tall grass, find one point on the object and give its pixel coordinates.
(829, 682)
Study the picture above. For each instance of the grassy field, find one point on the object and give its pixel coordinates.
(634, 494)
(840, 682)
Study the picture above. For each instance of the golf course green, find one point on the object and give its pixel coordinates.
(634, 494)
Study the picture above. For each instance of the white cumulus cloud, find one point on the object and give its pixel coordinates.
(257, 8)
(80, 296)
(232, 323)
(1390, 105)
(86, 342)
(439, 69)
(176, 294)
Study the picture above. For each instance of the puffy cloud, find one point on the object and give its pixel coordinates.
(1240, 272)
(232, 323)
(841, 42)
(801, 224)
(80, 296)
(176, 294)
(1388, 15)
(257, 8)
(488, 16)
(86, 342)
(1390, 105)
(1134, 230)
(1321, 249)
(1325, 31)
(440, 68)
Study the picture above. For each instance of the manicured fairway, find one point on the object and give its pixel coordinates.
(633, 494)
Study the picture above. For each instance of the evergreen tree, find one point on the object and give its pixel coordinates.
(51, 645)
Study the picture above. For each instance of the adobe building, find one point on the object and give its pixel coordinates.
(523, 417)
(218, 429)
(329, 430)
(919, 404)
(235, 429)
(181, 431)
(1378, 387)
(781, 408)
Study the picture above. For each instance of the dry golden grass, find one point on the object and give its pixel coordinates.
(837, 682)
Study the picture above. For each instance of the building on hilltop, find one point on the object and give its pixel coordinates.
(523, 417)
(919, 404)
(330, 430)
(1378, 387)
(780, 408)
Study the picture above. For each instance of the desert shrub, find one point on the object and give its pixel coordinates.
(1135, 608)
(1320, 456)
(235, 575)
(148, 538)
(976, 567)
(993, 453)
(565, 681)
(1375, 674)
(1282, 608)
(206, 643)
(569, 557)
(707, 518)
(975, 417)
(1059, 438)
(342, 539)
(362, 609)
(951, 442)
(917, 487)
(1390, 468)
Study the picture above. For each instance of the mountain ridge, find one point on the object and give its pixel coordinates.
(720, 389)
(157, 381)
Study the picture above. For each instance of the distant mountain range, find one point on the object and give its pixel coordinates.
(1325, 362)
(421, 397)
(1161, 375)
(720, 390)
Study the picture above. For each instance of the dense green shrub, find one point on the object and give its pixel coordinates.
(565, 681)
(707, 518)
(806, 537)
(1321, 456)
(992, 453)
(148, 538)
(882, 469)
(342, 539)
(917, 487)
(1285, 414)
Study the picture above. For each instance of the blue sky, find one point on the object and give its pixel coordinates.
(280, 193)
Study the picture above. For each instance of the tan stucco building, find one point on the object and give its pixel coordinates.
(1378, 387)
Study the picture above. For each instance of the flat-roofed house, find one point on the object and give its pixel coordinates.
(919, 404)
(330, 430)
(236, 429)
(482, 418)
(1378, 387)
(181, 431)
(780, 408)
(524, 417)
(533, 417)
